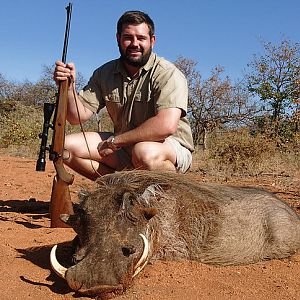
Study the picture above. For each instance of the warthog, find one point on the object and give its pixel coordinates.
(136, 216)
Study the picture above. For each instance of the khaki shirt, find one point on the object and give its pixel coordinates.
(131, 101)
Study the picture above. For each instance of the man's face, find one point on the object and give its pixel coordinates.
(135, 44)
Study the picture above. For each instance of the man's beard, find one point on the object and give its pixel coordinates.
(135, 61)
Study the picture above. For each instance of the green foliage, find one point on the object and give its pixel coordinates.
(274, 77)
(282, 131)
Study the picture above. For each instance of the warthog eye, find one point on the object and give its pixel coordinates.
(127, 251)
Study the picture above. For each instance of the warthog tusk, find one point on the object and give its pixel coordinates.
(143, 260)
(56, 266)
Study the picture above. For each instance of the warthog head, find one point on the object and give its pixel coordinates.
(112, 238)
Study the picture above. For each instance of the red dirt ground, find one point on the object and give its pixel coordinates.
(26, 240)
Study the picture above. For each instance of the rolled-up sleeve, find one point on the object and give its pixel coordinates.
(171, 90)
(90, 95)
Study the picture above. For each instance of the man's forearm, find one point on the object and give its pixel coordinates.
(139, 134)
(155, 129)
(73, 104)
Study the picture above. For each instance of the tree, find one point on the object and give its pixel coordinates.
(29, 93)
(46, 88)
(7, 88)
(275, 78)
(214, 102)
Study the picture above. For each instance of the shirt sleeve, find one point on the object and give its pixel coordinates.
(171, 90)
(91, 95)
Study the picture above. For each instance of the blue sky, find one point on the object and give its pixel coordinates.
(215, 32)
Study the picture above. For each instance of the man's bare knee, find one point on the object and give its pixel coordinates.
(144, 164)
(148, 158)
(141, 157)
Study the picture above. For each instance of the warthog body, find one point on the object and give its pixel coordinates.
(181, 219)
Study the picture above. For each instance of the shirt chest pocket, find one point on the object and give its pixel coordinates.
(143, 109)
(114, 106)
(112, 97)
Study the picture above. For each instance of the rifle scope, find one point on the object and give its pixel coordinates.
(41, 162)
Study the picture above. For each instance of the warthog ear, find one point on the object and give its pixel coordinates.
(71, 220)
(149, 212)
(153, 190)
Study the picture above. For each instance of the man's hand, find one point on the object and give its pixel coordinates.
(64, 71)
(107, 147)
(104, 149)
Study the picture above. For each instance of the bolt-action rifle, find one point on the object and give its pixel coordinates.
(60, 197)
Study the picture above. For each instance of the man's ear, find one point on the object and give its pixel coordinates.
(118, 37)
(153, 40)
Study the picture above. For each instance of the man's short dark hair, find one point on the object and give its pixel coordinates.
(135, 17)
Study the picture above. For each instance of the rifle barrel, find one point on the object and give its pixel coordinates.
(66, 40)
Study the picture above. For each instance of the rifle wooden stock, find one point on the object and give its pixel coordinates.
(60, 196)
(60, 199)
(59, 124)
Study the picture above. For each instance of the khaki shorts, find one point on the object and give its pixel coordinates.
(183, 155)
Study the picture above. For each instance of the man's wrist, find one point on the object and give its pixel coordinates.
(111, 143)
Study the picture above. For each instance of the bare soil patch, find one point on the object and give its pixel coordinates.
(26, 240)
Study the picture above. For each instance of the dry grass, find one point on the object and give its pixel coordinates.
(237, 153)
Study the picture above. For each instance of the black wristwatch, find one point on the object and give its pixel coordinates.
(111, 143)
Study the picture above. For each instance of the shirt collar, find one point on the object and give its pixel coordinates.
(150, 62)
